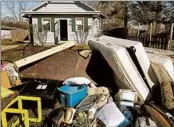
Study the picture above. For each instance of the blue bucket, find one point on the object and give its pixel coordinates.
(70, 95)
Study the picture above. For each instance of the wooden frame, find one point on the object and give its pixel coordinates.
(23, 112)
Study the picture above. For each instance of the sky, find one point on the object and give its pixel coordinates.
(4, 11)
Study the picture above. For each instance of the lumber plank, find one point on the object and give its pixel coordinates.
(41, 55)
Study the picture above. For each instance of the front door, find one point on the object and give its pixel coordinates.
(63, 30)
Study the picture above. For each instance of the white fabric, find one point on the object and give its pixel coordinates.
(126, 95)
(77, 81)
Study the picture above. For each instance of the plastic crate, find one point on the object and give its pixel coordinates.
(70, 96)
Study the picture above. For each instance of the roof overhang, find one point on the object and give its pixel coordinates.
(26, 14)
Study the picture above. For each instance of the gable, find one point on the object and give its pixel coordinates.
(63, 7)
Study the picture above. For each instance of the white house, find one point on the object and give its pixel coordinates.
(61, 20)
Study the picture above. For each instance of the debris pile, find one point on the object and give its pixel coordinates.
(115, 84)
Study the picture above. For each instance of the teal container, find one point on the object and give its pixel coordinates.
(71, 95)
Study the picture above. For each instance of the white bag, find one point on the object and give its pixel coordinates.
(77, 81)
(111, 116)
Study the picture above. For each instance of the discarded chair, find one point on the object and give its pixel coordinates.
(24, 112)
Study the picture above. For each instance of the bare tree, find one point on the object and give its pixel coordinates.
(11, 7)
(15, 8)
(22, 7)
(116, 12)
(40, 34)
(81, 35)
(155, 12)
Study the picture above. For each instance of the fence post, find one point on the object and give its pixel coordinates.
(171, 37)
(138, 32)
(150, 32)
(171, 32)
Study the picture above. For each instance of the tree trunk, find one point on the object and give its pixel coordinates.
(125, 14)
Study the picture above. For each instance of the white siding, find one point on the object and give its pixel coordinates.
(50, 35)
(34, 21)
(94, 29)
(90, 35)
(50, 38)
(35, 24)
(71, 34)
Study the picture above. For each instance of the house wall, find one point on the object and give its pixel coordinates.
(93, 26)
(50, 35)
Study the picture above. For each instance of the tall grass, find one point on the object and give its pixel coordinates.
(15, 24)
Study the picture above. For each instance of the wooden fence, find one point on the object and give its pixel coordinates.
(157, 41)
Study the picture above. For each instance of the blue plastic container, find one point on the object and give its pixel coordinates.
(71, 95)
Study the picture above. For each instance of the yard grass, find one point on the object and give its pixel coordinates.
(13, 54)
(9, 42)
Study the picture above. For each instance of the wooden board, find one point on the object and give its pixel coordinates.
(158, 117)
(5, 82)
(41, 55)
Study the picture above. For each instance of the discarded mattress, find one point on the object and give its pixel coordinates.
(136, 51)
(125, 70)
(164, 61)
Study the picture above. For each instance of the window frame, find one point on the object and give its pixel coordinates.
(82, 23)
(50, 23)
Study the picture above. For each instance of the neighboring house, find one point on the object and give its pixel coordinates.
(63, 19)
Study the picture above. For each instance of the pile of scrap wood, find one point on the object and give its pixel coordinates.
(116, 83)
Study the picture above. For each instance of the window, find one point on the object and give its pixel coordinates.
(79, 24)
(46, 23)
